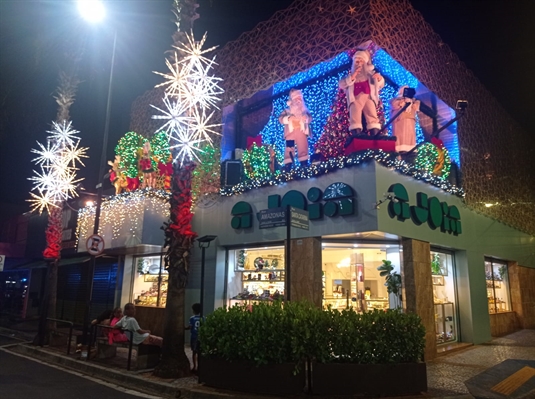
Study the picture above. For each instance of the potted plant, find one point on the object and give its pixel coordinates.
(392, 281)
(435, 265)
(266, 348)
(367, 347)
(253, 348)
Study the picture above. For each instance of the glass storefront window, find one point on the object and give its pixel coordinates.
(257, 274)
(497, 280)
(442, 274)
(150, 281)
(351, 279)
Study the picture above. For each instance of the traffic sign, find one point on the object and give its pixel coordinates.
(95, 245)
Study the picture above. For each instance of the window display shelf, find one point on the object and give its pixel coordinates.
(379, 304)
(339, 303)
(150, 297)
(438, 280)
(444, 322)
(264, 275)
(494, 284)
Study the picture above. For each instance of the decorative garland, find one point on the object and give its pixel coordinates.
(433, 159)
(256, 162)
(178, 234)
(387, 159)
(53, 234)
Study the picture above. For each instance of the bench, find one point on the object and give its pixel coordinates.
(147, 357)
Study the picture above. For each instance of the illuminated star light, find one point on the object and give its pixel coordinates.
(46, 154)
(186, 145)
(176, 80)
(63, 134)
(194, 53)
(72, 154)
(203, 89)
(175, 114)
(200, 127)
(190, 92)
(57, 181)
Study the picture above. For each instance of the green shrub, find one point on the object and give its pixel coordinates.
(296, 331)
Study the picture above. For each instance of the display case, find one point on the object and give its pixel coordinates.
(378, 303)
(261, 275)
(149, 282)
(339, 302)
(497, 281)
(444, 322)
(156, 294)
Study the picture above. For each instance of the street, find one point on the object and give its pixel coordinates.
(21, 377)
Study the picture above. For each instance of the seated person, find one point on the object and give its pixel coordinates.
(116, 335)
(139, 336)
(103, 319)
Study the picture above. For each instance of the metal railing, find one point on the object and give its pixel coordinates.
(130, 340)
(71, 325)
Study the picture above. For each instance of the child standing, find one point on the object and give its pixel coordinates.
(194, 323)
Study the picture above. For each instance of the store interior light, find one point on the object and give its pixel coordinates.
(355, 245)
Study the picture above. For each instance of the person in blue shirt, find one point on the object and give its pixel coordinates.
(194, 323)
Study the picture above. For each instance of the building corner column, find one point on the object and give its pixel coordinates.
(418, 289)
(306, 270)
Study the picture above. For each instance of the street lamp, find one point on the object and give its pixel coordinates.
(93, 11)
(204, 242)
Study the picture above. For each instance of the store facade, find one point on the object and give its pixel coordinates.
(441, 252)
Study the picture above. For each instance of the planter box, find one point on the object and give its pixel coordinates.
(368, 379)
(244, 376)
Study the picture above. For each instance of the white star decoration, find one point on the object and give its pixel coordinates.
(56, 182)
(190, 92)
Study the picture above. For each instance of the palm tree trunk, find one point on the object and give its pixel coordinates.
(179, 240)
(174, 363)
(52, 253)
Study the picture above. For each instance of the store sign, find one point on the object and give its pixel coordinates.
(269, 218)
(298, 218)
(437, 214)
(338, 199)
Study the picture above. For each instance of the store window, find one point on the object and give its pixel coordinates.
(442, 274)
(258, 274)
(150, 281)
(351, 279)
(497, 280)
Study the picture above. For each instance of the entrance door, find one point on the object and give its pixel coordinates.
(444, 293)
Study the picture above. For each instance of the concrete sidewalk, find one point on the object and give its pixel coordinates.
(446, 375)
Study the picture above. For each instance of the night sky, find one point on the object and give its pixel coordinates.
(493, 38)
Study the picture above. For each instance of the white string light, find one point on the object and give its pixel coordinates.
(57, 180)
(190, 92)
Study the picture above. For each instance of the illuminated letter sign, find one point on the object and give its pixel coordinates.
(431, 210)
(338, 199)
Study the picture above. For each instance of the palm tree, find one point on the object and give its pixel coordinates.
(188, 132)
(66, 94)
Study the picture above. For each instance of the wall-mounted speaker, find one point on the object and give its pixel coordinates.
(231, 173)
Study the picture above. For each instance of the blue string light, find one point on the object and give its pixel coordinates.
(391, 69)
(319, 96)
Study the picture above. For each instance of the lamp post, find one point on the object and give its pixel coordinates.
(93, 11)
(204, 242)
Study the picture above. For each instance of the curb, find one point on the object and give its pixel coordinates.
(123, 379)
